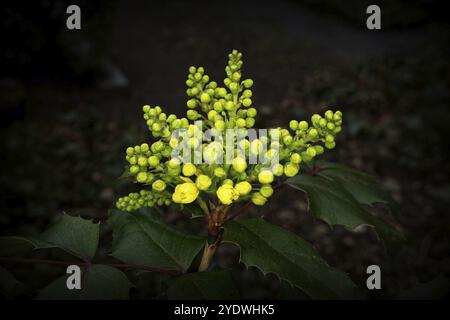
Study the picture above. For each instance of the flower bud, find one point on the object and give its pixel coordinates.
(247, 102)
(291, 169)
(266, 190)
(258, 199)
(203, 182)
(142, 177)
(296, 158)
(159, 185)
(243, 188)
(293, 124)
(142, 161)
(265, 176)
(251, 112)
(189, 169)
(248, 83)
(239, 164)
(227, 194)
(205, 98)
(153, 161)
(219, 172)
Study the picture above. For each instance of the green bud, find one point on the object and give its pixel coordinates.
(291, 169)
(134, 169)
(153, 161)
(241, 123)
(266, 190)
(251, 112)
(219, 125)
(248, 83)
(191, 103)
(219, 172)
(159, 185)
(311, 151)
(142, 161)
(258, 199)
(142, 177)
(303, 125)
(296, 158)
(293, 124)
(205, 98)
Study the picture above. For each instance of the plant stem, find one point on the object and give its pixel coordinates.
(208, 253)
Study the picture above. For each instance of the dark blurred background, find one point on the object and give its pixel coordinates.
(70, 103)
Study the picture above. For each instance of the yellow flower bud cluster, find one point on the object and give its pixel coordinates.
(168, 179)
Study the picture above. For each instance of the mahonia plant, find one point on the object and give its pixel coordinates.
(169, 177)
(166, 179)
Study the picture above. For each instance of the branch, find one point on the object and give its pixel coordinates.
(79, 263)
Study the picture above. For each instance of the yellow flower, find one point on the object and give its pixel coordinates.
(239, 164)
(259, 199)
(243, 188)
(185, 193)
(203, 182)
(189, 169)
(227, 194)
(265, 176)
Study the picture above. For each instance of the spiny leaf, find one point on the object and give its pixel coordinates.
(273, 249)
(143, 238)
(74, 235)
(331, 202)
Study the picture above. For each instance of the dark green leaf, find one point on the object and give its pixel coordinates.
(217, 285)
(331, 202)
(74, 235)
(273, 249)
(141, 237)
(99, 282)
(363, 187)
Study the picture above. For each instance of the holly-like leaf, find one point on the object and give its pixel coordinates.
(214, 285)
(273, 249)
(331, 202)
(99, 282)
(74, 235)
(142, 238)
(363, 187)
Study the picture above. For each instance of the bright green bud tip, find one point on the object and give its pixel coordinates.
(247, 102)
(248, 83)
(311, 151)
(293, 124)
(291, 169)
(251, 112)
(153, 161)
(159, 185)
(296, 158)
(141, 177)
(142, 161)
(205, 98)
